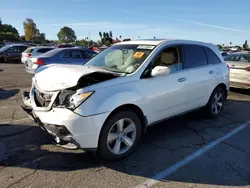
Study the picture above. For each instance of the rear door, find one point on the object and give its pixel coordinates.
(239, 64)
(12, 53)
(201, 75)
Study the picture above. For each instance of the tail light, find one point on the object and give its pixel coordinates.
(27, 54)
(39, 62)
(247, 69)
(228, 66)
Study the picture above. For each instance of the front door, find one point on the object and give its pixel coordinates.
(165, 96)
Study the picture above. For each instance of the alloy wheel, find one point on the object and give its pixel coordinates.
(217, 103)
(121, 136)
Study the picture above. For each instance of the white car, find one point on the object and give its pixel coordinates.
(34, 51)
(239, 64)
(107, 104)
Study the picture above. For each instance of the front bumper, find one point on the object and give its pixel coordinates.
(67, 127)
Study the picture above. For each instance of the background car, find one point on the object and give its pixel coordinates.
(34, 51)
(12, 52)
(239, 64)
(72, 56)
(224, 54)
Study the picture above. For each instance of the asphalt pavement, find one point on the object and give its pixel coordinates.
(187, 151)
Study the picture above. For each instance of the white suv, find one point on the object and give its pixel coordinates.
(107, 104)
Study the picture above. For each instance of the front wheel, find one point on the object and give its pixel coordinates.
(120, 135)
(216, 103)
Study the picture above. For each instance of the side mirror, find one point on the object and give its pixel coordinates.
(160, 71)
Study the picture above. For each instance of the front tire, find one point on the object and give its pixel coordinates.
(120, 135)
(216, 103)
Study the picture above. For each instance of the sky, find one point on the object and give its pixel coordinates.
(216, 21)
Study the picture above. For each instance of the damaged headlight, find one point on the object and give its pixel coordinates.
(78, 98)
(71, 99)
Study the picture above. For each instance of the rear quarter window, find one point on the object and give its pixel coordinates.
(212, 58)
(44, 50)
(194, 56)
(29, 50)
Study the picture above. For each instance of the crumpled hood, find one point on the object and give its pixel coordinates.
(60, 77)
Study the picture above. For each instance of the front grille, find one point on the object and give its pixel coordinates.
(42, 99)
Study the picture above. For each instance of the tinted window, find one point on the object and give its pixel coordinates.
(73, 55)
(76, 55)
(211, 56)
(238, 57)
(13, 50)
(194, 56)
(22, 48)
(88, 54)
(43, 50)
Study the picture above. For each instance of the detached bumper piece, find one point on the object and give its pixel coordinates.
(61, 134)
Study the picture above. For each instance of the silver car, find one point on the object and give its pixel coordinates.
(72, 56)
(34, 51)
(239, 64)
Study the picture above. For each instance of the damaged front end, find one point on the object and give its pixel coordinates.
(38, 101)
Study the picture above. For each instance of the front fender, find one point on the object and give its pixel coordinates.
(101, 103)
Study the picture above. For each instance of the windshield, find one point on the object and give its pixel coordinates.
(238, 57)
(121, 58)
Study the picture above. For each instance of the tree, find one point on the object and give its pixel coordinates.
(230, 43)
(100, 34)
(120, 37)
(154, 37)
(110, 34)
(66, 35)
(30, 30)
(40, 37)
(245, 45)
(219, 46)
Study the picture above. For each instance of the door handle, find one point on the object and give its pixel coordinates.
(182, 79)
(211, 72)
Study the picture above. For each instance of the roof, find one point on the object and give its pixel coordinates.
(33, 47)
(17, 45)
(159, 41)
(144, 41)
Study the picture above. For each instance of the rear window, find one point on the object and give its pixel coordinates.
(29, 50)
(238, 57)
(43, 50)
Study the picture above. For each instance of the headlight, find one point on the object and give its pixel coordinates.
(77, 99)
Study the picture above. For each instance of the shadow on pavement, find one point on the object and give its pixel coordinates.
(161, 147)
(5, 94)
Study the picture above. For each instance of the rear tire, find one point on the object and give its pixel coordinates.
(121, 133)
(216, 102)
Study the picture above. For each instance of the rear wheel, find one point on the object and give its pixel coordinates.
(216, 103)
(120, 135)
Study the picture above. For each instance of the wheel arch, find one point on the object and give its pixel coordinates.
(224, 87)
(134, 108)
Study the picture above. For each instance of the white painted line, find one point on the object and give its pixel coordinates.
(6, 106)
(170, 170)
(14, 121)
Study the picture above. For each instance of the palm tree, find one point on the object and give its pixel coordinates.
(120, 37)
(110, 34)
(230, 43)
(154, 37)
(104, 35)
(100, 34)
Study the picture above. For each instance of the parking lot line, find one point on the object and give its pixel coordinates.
(170, 170)
(14, 121)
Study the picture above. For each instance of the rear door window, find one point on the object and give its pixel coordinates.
(88, 54)
(29, 50)
(211, 56)
(76, 54)
(194, 56)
